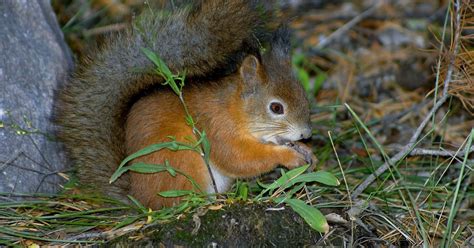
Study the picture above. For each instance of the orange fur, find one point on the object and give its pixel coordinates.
(235, 152)
(150, 121)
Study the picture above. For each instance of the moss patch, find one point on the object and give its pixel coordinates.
(240, 225)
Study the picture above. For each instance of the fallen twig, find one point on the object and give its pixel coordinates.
(344, 28)
(433, 152)
(106, 29)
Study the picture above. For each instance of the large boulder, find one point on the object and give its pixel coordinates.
(34, 59)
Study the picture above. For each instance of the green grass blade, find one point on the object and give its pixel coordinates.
(141, 167)
(323, 177)
(172, 145)
(176, 193)
(283, 180)
(455, 204)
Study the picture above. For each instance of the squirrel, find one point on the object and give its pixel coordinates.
(248, 102)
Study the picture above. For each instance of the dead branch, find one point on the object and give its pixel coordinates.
(441, 153)
(343, 29)
(106, 29)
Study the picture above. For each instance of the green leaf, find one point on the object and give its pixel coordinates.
(175, 193)
(288, 176)
(117, 174)
(182, 207)
(303, 77)
(323, 177)
(162, 69)
(294, 190)
(141, 167)
(151, 56)
(148, 150)
(170, 168)
(206, 146)
(262, 185)
(318, 82)
(297, 59)
(243, 191)
(140, 206)
(174, 86)
(172, 145)
(283, 181)
(311, 215)
(127, 221)
(157, 61)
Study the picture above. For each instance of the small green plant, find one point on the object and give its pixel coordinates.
(202, 145)
(191, 198)
(283, 190)
(23, 126)
(303, 70)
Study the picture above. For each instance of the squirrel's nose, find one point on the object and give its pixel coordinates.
(306, 133)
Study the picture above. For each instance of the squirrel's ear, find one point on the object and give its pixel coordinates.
(249, 72)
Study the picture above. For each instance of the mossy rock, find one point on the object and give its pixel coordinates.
(237, 225)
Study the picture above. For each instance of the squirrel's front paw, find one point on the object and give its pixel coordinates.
(304, 155)
(290, 158)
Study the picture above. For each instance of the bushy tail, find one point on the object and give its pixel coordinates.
(208, 38)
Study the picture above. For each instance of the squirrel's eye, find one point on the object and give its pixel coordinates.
(276, 108)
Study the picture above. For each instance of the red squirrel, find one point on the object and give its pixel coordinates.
(248, 102)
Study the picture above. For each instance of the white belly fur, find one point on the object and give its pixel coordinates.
(223, 182)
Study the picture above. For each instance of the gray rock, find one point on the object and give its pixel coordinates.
(33, 60)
